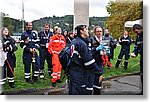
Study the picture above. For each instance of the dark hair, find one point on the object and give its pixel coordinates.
(78, 28)
(28, 23)
(46, 24)
(3, 29)
(137, 26)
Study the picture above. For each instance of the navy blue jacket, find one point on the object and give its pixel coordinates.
(96, 54)
(125, 42)
(33, 40)
(44, 38)
(82, 56)
(12, 47)
(139, 44)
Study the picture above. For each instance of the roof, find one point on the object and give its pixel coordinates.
(131, 23)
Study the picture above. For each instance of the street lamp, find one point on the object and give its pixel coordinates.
(22, 15)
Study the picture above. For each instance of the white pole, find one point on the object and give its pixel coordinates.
(22, 15)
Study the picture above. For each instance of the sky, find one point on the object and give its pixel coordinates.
(36, 9)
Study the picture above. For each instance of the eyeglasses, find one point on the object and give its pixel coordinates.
(98, 31)
(5, 30)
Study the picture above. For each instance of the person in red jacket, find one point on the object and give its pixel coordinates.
(56, 44)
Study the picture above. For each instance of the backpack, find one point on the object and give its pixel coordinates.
(65, 58)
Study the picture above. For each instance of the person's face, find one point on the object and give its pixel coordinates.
(125, 33)
(98, 32)
(72, 35)
(29, 26)
(84, 32)
(46, 28)
(58, 31)
(5, 32)
(138, 31)
(65, 33)
(106, 31)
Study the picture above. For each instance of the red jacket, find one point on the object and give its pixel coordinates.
(56, 44)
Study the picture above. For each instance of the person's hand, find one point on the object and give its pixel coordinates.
(26, 41)
(133, 55)
(108, 51)
(7, 48)
(31, 50)
(34, 50)
(100, 47)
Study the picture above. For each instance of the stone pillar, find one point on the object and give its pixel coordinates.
(0, 50)
(81, 12)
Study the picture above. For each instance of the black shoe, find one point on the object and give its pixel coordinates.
(116, 66)
(35, 79)
(59, 81)
(29, 81)
(54, 84)
(49, 73)
(125, 68)
(12, 85)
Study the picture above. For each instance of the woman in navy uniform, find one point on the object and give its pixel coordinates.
(96, 41)
(125, 41)
(82, 61)
(9, 47)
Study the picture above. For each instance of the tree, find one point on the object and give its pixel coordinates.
(120, 12)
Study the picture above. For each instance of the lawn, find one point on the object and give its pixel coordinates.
(20, 83)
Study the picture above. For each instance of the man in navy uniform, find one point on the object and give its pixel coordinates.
(44, 37)
(125, 41)
(29, 44)
(138, 49)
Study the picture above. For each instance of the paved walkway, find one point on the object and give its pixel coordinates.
(125, 85)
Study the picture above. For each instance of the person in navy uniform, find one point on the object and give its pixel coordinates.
(44, 37)
(81, 62)
(96, 41)
(125, 41)
(9, 47)
(69, 38)
(29, 44)
(138, 49)
(111, 43)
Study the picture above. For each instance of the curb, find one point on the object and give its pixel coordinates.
(54, 91)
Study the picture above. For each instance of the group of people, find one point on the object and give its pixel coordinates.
(86, 68)
(88, 55)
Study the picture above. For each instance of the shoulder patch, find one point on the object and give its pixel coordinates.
(72, 50)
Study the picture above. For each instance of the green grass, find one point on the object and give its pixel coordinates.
(133, 65)
(20, 83)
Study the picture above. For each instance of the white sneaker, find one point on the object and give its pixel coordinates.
(41, 76)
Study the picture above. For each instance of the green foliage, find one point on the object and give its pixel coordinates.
(133, 65)
(96, 21)
(13, 25)
(65, 22)
(120, 12)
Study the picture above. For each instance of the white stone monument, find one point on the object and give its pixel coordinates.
(81, 12)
